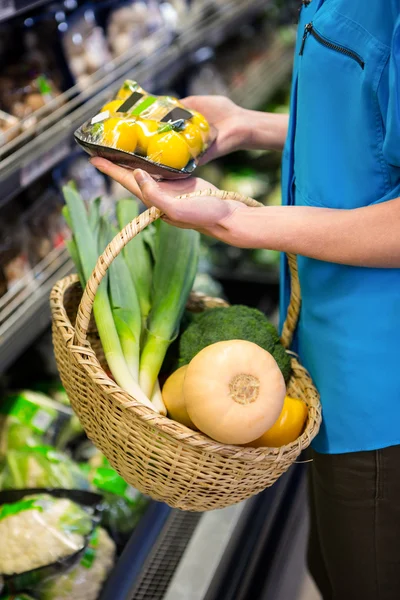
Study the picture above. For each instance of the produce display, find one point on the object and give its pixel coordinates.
(157, 133)
(73, 547)
(52, 529)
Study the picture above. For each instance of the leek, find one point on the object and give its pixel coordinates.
(86, 245)
(137, 256)
(177, 256)
(124, 303)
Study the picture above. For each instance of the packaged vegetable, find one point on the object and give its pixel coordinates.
(122, 505)
(85, 579)
(84, 45)
(40, 467)
(15, 436)
(156, 133)
(9, 127)
(39, 530)
(46, 418)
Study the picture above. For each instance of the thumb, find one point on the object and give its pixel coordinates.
(152, 194)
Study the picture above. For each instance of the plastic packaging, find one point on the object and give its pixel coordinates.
(45, 417)
(131, 25)
(14, 262)
(43, 533)
(9, 127)
(84, 45)
(46, 225)
(24, 90)
(122, 505)
(84, 580)
(155, 133)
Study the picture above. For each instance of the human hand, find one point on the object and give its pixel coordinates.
(206, 213)
(227, 118)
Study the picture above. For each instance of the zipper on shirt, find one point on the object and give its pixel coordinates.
(309, 30)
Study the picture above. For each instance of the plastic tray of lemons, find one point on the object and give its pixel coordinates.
(140, 130)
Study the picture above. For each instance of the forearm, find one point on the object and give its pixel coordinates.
(264, 130)
(366, 237)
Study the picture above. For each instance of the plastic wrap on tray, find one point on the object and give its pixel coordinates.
(43, 533)
(140, 130)
(85, 579)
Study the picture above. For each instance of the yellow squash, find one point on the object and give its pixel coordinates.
(233, 390)
(172, 394)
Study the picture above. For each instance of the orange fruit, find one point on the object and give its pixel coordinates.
(194, 139)
(169, 149)
(120, 134)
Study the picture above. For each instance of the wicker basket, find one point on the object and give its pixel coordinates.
(154, 454)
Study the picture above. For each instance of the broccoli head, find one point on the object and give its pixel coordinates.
(232, 323)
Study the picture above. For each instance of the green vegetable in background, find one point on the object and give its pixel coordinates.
(233, 323)
(40, 467)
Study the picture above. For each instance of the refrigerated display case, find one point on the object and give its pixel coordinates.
(242, 552)
(251, 551)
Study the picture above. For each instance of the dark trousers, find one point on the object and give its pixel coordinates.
(354, 546)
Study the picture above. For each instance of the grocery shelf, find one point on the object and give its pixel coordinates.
(25, 310)
(260, 81)
(29, 156)
(25, 313)
(13, 8)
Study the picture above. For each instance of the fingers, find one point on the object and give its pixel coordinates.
(153, 195)
(123, 176)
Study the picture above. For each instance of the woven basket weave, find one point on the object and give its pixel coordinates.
(154, 454)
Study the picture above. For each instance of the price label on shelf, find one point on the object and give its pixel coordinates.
(7, 9)
(34, 169)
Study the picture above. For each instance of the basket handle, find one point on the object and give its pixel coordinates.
(131, 230)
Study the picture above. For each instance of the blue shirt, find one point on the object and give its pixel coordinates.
(343, 151)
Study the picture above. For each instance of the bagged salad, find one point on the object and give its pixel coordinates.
(140, 130)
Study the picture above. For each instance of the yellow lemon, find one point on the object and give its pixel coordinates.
(169, 149)
(146, 128)
(120, 134)
(194, 139)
